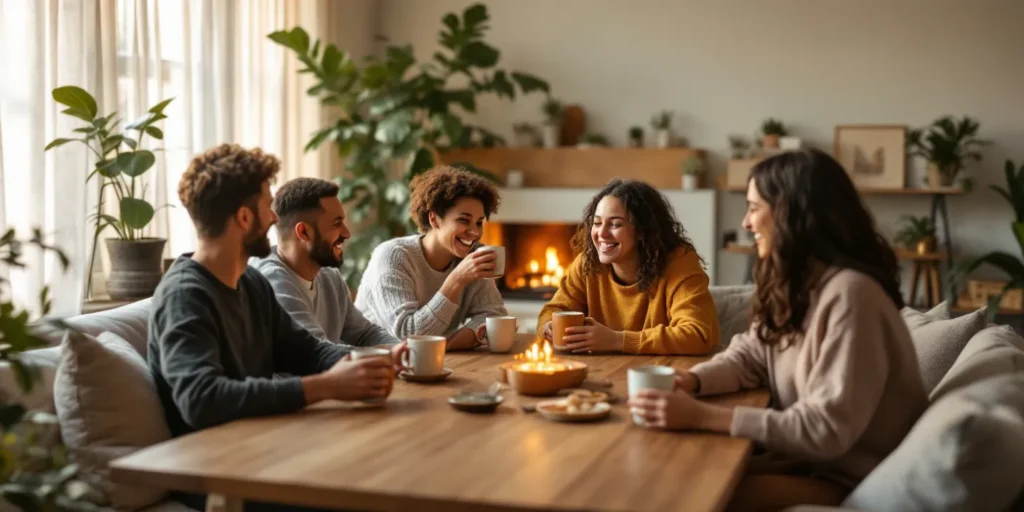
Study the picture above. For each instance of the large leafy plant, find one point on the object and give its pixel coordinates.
(35, 472)
(397, 113)
(948, 144)
(120, 161)
(1012, 265)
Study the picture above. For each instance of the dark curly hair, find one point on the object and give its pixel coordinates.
(220, 181)
(658, 232)
(817, 216)
(437, 190)
(297, 198)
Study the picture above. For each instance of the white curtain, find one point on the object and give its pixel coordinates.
(229, 83)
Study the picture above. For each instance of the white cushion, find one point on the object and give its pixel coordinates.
(130, 322)
(938, 341)
(995, 350)
(965, 453)
(108, 407)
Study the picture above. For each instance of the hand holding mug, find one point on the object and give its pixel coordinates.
(478, 265)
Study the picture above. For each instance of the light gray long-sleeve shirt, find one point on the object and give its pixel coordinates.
(400, 291)
(324, 306)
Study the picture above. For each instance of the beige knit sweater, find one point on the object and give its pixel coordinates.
(844, 394)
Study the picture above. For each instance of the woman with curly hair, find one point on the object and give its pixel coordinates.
(433, 282)
(827, 339)
(637, 279)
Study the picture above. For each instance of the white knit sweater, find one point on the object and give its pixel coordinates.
(401, 292)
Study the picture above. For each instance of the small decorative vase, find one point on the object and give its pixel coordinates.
(134, 267)
(663, 138)
(770, 141)
(926, 245)
(552, 134)
(514, 178)
(691, 182)
(937, 178)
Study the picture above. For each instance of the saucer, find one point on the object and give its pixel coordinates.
(557, 410)
(412, 377)
(476, 401)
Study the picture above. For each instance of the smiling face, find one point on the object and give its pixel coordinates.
(758, 220)
(460, 226)
(258, 223)
(325, 248)
(612, 233)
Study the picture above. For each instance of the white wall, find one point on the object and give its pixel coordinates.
(726, 65)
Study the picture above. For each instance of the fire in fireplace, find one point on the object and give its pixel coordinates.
(536, 257)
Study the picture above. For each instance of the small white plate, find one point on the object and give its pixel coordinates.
(556, 410)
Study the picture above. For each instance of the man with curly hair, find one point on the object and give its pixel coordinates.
(435, 282)
(303, 267)
(217, 334)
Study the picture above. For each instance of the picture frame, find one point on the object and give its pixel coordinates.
(874, 155)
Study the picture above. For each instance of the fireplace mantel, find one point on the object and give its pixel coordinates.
(695, 209)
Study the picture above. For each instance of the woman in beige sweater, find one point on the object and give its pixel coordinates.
(827, 339)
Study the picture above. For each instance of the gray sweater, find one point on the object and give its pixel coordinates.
(401, 292)
(214, 350)
(324, 306)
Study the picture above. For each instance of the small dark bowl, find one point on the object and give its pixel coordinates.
(475, 401)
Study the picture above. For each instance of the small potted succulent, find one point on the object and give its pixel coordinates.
(771, 130)
(551, 130)
(591, 139)
(662, 125)
(739, 146)
(525, 135)
(636, 137)
(947, 144)
(917, 234)
(694, 168)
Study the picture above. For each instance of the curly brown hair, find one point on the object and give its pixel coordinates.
(817, 217)
(658, 232)
(437, 190)
(220, 181)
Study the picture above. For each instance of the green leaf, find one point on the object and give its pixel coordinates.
(394, 127)
(136, 163)
(479, 54)
(155, 132)
(331, 59)
(76, 98)
(296, 39)
(388, 102)
(159, 107)
(136, 213)
(449, 125)
(1006, 262)
(397, 192)
(464, 97)
(420, 162)
(25, 374)
(319, 137)
(85, 129)
(10, 415)
(57, 143)
(108, 168)
(400, 59)
(529, 83)
(501, 86)
(79, 113)
(474, 16)
(111, 143)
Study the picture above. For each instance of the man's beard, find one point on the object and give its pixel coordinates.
(256, 243)
(323, 252)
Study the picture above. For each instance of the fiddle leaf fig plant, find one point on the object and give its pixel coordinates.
(397, 113)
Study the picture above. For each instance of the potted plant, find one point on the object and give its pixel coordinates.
(552, 127)
(739, 146)
(525, 135)
(662, 125)
(636, 137)
(121, 161)
(917, 234)
(591, 139)
(694, 168)
(771, 130)
(947, 144)
(1012, 265)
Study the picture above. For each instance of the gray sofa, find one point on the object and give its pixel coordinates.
(966, 452)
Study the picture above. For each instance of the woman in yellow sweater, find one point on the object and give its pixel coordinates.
(637, 279)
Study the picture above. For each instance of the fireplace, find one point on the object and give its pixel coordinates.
(536, 257)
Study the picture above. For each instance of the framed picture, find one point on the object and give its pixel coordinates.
(874, 155)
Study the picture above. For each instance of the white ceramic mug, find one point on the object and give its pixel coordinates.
(499, 259)
(501, 333)
(649, 377)
(425, 356)
(369, 352)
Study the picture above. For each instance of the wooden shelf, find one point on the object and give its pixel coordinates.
(963, 306)
(579, 167)
(891, 191)
(901, 253)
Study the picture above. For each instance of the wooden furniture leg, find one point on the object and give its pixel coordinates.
(933, 272)
(913, 284)
(221, 503)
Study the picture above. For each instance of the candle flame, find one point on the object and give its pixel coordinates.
(537, 358)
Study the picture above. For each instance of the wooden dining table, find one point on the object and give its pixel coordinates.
(418, 453)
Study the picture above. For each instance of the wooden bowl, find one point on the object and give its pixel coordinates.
(534, 383)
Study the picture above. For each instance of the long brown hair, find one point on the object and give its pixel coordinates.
(658, 232)
(817, 216)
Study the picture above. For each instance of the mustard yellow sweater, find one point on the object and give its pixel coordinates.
(676, 315)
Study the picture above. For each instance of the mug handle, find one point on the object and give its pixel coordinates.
(405, 359)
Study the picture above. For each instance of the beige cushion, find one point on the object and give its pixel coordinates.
(996, 350)
(965, 453)
(734, 305)
(108, 407)
(938, 341)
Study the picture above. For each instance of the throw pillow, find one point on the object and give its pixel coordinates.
(995, 350)
(963, 454)
(938, 342)
(108, 407)
(734, 305)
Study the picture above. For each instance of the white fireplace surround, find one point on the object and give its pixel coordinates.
(696, 210)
